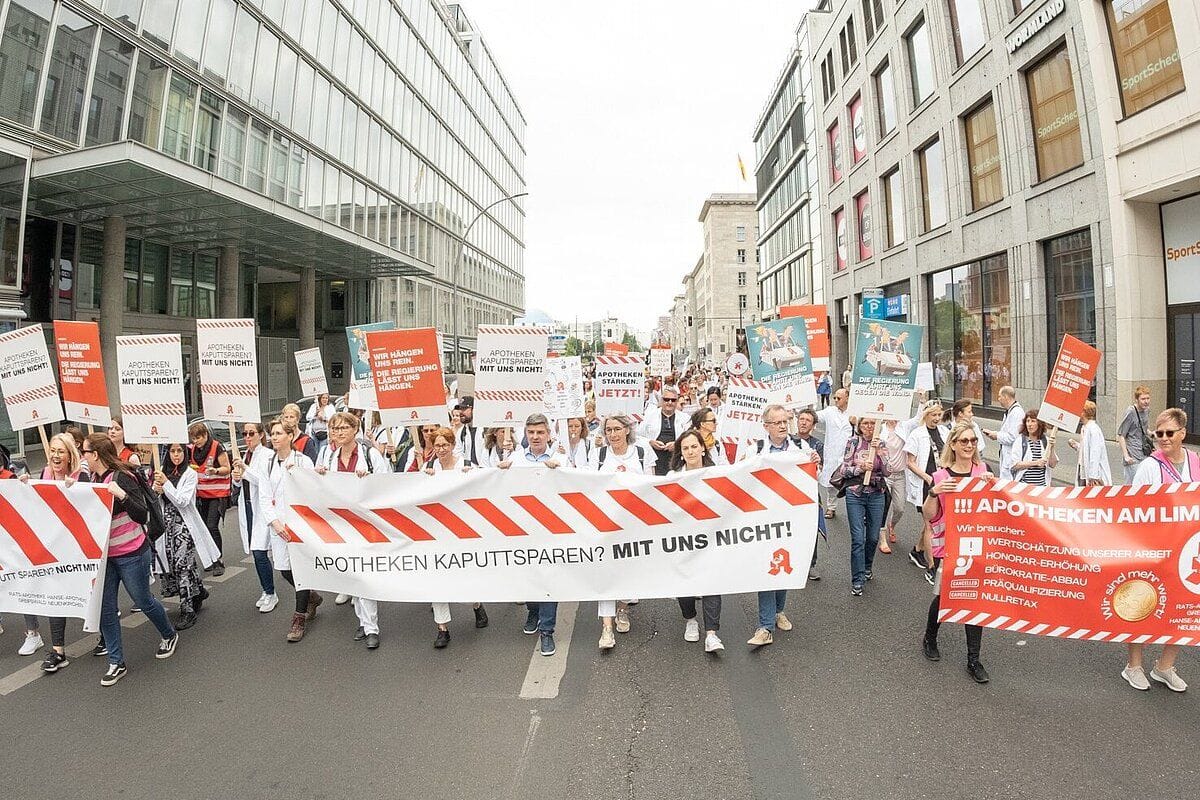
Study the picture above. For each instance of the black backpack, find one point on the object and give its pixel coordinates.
(156, 521)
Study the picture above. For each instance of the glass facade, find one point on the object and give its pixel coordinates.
(1147, 54)
(1071, 285)
(970, 330)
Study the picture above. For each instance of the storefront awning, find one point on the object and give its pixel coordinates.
(175, 203)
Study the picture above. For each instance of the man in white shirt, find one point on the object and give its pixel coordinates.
(468, 442)
(837, 434)
(1010, 431)
(662, 426)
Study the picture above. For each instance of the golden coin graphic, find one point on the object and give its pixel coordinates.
(1134, 600)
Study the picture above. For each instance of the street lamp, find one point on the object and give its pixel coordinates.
(462, 249)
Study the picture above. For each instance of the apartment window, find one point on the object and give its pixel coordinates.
(839, 235)
(858, 130)
(966, 18)
(872, 17)
(920, 62)
(845, 52)
(1145, 50)
(983, 156)
(970, 330)
(1056, 138)
(852, 41)
(825, 91)
(741, 255)
(741, 302)
(1018, 6)
(932, 167)
(862, 208)
(740, 233)
(885, 99)
(835, 152)
(893, 207)
(741, 278)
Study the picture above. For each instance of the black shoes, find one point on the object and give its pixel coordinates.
(481, 620)
(218, 568)
(443, 639)
(930, 649)
(372, 641)
(101, 649)
(360, 634)
(977, 672)
(186, 620)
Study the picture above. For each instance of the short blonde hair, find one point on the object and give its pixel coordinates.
(956, 433)
(68, 442)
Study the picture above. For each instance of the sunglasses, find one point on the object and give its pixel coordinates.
(965, 440)
(1167, 434)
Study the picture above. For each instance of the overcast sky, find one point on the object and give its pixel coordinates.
(636, 112)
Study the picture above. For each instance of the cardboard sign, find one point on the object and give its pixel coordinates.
(816, 322)
(885, 370)
(509, 383)
(406, 367)
(311, 370)
(564, 387)
(150, 371)
(779, 357)
(362, 388)
(1101, 563)
(27, 380)
(81, 372)
(924, 376)
(228, 369)
(620, 386)
(741, 413)
(660, 361)
(1070, 383)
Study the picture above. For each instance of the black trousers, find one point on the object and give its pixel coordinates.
(712, 610)
(974, 632)
(301, 596)
(212, 511)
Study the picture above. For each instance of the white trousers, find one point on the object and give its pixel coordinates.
(441, 613)
(608, 608)
(367, 612)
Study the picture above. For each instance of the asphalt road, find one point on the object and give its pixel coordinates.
(844, 706)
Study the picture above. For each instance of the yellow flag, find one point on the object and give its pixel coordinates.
(742, 167)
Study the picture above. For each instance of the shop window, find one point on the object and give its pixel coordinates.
(1071, 288)
(1055, 116)
(970, 330)
(1146, 51)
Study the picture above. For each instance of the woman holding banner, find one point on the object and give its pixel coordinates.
(1031, 456)
(577, 449)
(1170, 463)
(691, 453)
(290, 416)
(863, 473)
(421, 453)
(129, 555)
(499, 443)
(960, 459)
(256, 538)
(186, 545)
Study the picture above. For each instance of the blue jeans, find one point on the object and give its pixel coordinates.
(266, 573)
(770, 603)
(132, 570)
(547, 615)
(865, 513)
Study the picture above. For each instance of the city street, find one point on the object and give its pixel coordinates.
(843, 706)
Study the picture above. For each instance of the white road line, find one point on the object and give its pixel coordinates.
(230, 572)
(26, 675)
(545, 673)
(248, 560)
(514, 786)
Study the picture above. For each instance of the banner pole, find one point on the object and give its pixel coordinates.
(871, 453)
(155, 458)
(91, 429)
(45, 442)
(233, 445)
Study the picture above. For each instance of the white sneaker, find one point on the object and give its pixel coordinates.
(33, 643)
(608, 639)
(341, 599)
(1170, 678)
(1136, 677)
(622, 620)
(269, 604)
(712, 643)
(262, 598)
(691, 631)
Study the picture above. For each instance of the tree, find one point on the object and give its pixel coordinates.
(630, 341)
(574, 346)
(598, 346)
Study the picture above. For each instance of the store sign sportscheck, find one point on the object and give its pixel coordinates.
(1034, 24)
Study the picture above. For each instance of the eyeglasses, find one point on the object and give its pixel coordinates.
(709, 419)
(89, 452)
(613, 430)
(341, 428)
(965, 440)
(670, 399)
(777, 422)
(1167, 434)
(249, 433)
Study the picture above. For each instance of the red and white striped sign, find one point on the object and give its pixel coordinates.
(228, 369)
(620, 385)
(510, 374)
(150, 370)
(563, 534)
(741, 413)
(27, 379)
(53, 542)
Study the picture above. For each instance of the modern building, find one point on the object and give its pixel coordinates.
(997, 170)
(311, 164)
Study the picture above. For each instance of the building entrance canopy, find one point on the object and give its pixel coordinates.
(165, 200)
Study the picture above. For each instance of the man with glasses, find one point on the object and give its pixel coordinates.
(662, 426)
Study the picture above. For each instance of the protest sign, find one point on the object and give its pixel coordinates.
(311, 370)
(512, 535)
(779, 357)
(660, 360)
(150, 374)
(362, 388)
(816, 322)
(1070, 383)
(741, 413)
(885, 370)
(228, 370)
(1099, 563)
(615, 349)
(924, 376)
(563, 392)
(620, 386)
(406, 366)
(81, 372)
(509, 370)
(27, 379)
(53, 543)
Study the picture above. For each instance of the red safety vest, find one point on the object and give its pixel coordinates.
(300, 443)
(209, 486)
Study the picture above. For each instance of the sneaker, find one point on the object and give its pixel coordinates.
(870, 575)
(341, 599)
(262, 598)
(54, 661)
(101, 649)
(608, 639)
(135, 610)
(856, 589)
(166, 648)
(917, 558)
(547, 644)
(977, 672)
(269, 604)
(360, 634)
(33, 642)
(761, 637)
(931, 576)
(782, 622)
(813, 575)
(372, 641)
(1136, 677)
(443, 639)
(481, 617)
(114, 673)
(1170, 678)
(713, 643)
(218, 568)
(691, 631)
(622, 620)
(531, 623)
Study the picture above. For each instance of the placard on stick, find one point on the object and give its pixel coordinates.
(1070, 383)
(150, 375)
(81, 372)
(406, 367)
(27, 380)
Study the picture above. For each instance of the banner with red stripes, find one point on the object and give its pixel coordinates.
(510, 374)
(228, 361)
(1097, 563)
(53, 542)
(553, 534)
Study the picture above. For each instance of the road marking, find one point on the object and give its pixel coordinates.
(248, 560)
(27, 675)
(230, 572)
(535, 722)
(545, 673)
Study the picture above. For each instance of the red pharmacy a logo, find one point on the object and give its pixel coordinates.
(781, 561)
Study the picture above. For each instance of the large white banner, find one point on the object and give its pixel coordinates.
(150, 369)
(509, 374)
(553, 534)
(53, 544)
(620, 385)
(311, 370)
(564, 387)
(228, 369)
(27, 379)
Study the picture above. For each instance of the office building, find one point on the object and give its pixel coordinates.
(721, 291)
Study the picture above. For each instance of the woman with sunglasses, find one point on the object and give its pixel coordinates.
(256, 538)
(691, 453)
(704, 421)
(186, 545)
(960, 460)
(864, 499)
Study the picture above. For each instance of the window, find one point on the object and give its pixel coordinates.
(181, 113)
(158, 20)
(1147, 54)
(983, 156)
(885, 99)
(858, 130)
(741, 255)
(828, 81)
(1070, 281)
(740, 233)
(107, 106)
(62, 110)
(216, 45)
(264, 70)
(862, 207)
(893, 202)
(241, 58)
(208, 131)
(145, 112)
(154, 278)
(845, 52)
(932, 168)
(872, 17)
(741, 280)
(26, 34)
(966, 18)
(849, 45)
(1056, 138)
(189, 31)
(970, 334)
(920, 62)
(741, 306)
(839, 235)
(835, 153)
(133, 252)
(126, 12)
(206, 286)
(233, 151)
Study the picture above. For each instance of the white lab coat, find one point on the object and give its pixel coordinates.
(462, 445)
(256, 537)
(651, 425)
(1019, 451)
(1093, 454)
(270, 497)
(837, 434)
(918, 444)
(183, 496)
(627, 462)
(379, 465)
(1009, 432)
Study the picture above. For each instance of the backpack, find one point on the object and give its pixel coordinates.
(604, 454)
(156, 521)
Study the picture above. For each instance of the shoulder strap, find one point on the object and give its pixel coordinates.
(1024, 446)
(641, 454)
(604, 454)
(363, 453)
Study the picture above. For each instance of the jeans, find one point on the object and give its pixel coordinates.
(865, 514)
(58, 629)
(132, 570)
(266, 572)
(547, 615)
(1130, 471)
(712, 610)
(770, 603)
